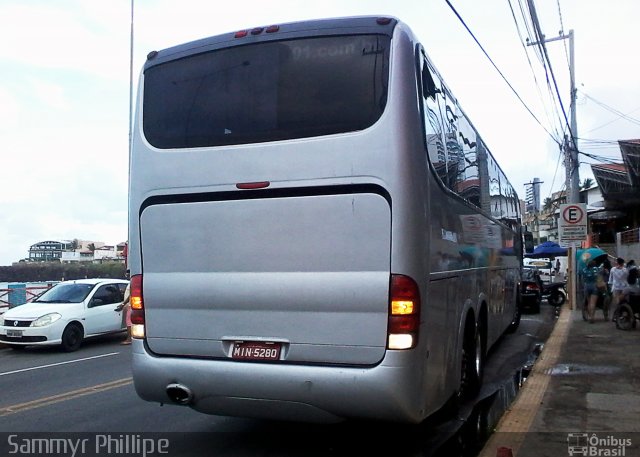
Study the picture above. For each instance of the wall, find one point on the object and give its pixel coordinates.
(628, 245)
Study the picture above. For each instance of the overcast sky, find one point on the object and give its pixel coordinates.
(64, 91)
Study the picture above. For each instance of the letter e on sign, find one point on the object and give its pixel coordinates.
(573, 214)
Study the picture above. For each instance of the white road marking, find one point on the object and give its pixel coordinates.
(59, 363)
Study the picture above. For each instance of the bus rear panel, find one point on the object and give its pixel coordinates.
(281, 232)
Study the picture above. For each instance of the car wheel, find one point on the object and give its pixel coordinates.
(624, 317)
(72, 337)
(515, 323)
(557, 298)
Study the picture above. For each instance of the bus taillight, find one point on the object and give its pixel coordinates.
(256, 31)
(404, 313)
(137, 307)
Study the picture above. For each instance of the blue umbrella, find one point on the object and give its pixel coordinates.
(547, 249)
(584, 256)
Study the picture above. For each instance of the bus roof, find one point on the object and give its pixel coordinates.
(319, 27)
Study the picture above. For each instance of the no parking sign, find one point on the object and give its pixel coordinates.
(572, 224)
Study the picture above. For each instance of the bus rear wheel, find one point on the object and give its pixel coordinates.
(472, 362)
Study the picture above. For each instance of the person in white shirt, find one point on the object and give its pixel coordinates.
(618, 280)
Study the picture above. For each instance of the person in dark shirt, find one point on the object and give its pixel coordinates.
(590, 276)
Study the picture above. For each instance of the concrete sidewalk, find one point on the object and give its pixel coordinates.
(581, 398)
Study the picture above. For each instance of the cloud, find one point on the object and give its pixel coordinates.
(50, 94)
(67, 35)
(9, 106)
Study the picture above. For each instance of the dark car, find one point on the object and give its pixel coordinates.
(530, 290)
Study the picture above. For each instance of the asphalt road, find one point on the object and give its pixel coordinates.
(89, 395)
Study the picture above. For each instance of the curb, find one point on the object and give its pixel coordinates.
(510, 431)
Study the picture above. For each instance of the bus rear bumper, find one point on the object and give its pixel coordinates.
(306, 393)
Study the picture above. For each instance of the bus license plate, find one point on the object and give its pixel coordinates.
(255, 350)
(14, 333)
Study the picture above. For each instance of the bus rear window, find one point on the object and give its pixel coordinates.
(267, 91)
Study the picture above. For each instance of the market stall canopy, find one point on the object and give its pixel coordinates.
(546, 250)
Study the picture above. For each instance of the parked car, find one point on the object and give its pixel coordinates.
(66, 314)
(544, 266)
(530, 289)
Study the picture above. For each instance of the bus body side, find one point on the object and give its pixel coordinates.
(293, 244)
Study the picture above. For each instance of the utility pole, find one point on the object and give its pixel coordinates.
(571, 143)
(570, 146)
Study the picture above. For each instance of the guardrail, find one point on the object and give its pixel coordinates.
(630, 236)
(29, 293)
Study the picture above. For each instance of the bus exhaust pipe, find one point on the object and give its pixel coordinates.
(179, 394)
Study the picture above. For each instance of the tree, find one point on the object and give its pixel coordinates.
(587, 183)
(548, 204)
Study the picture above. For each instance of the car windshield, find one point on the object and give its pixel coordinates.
(65, 293)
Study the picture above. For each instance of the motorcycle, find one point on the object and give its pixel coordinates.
(554, 293)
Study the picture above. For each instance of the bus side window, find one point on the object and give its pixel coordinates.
(429, 88)
(433, 109)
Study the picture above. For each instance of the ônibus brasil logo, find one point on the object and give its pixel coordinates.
(593, 445)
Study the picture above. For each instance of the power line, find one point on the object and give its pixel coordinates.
(541, 43)
(533, 72)
(619, 114)
(600, 158)
(566, 52)
(571, 149)
(553, 181)
(498, 70)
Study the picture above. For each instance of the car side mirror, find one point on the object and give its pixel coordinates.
(96, 302)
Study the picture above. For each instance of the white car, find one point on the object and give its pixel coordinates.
(66, 314)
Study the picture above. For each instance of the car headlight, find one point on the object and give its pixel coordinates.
(47, 319)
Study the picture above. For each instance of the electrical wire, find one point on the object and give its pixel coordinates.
(499, 72)
(541, 42)
(531, 39)
(559, 136)
(555, 173)
(566, 52)
(600, 158)
(619, 114)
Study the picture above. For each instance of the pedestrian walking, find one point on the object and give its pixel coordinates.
(632, 287)
(125, 307)
(618, 280)
(590, 275)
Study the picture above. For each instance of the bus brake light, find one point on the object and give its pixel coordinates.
(137, 307)
(404, 313)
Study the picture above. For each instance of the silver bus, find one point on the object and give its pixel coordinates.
(317, 231)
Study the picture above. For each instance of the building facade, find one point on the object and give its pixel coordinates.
(48, 251)
(532, 196)
(68, 251)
